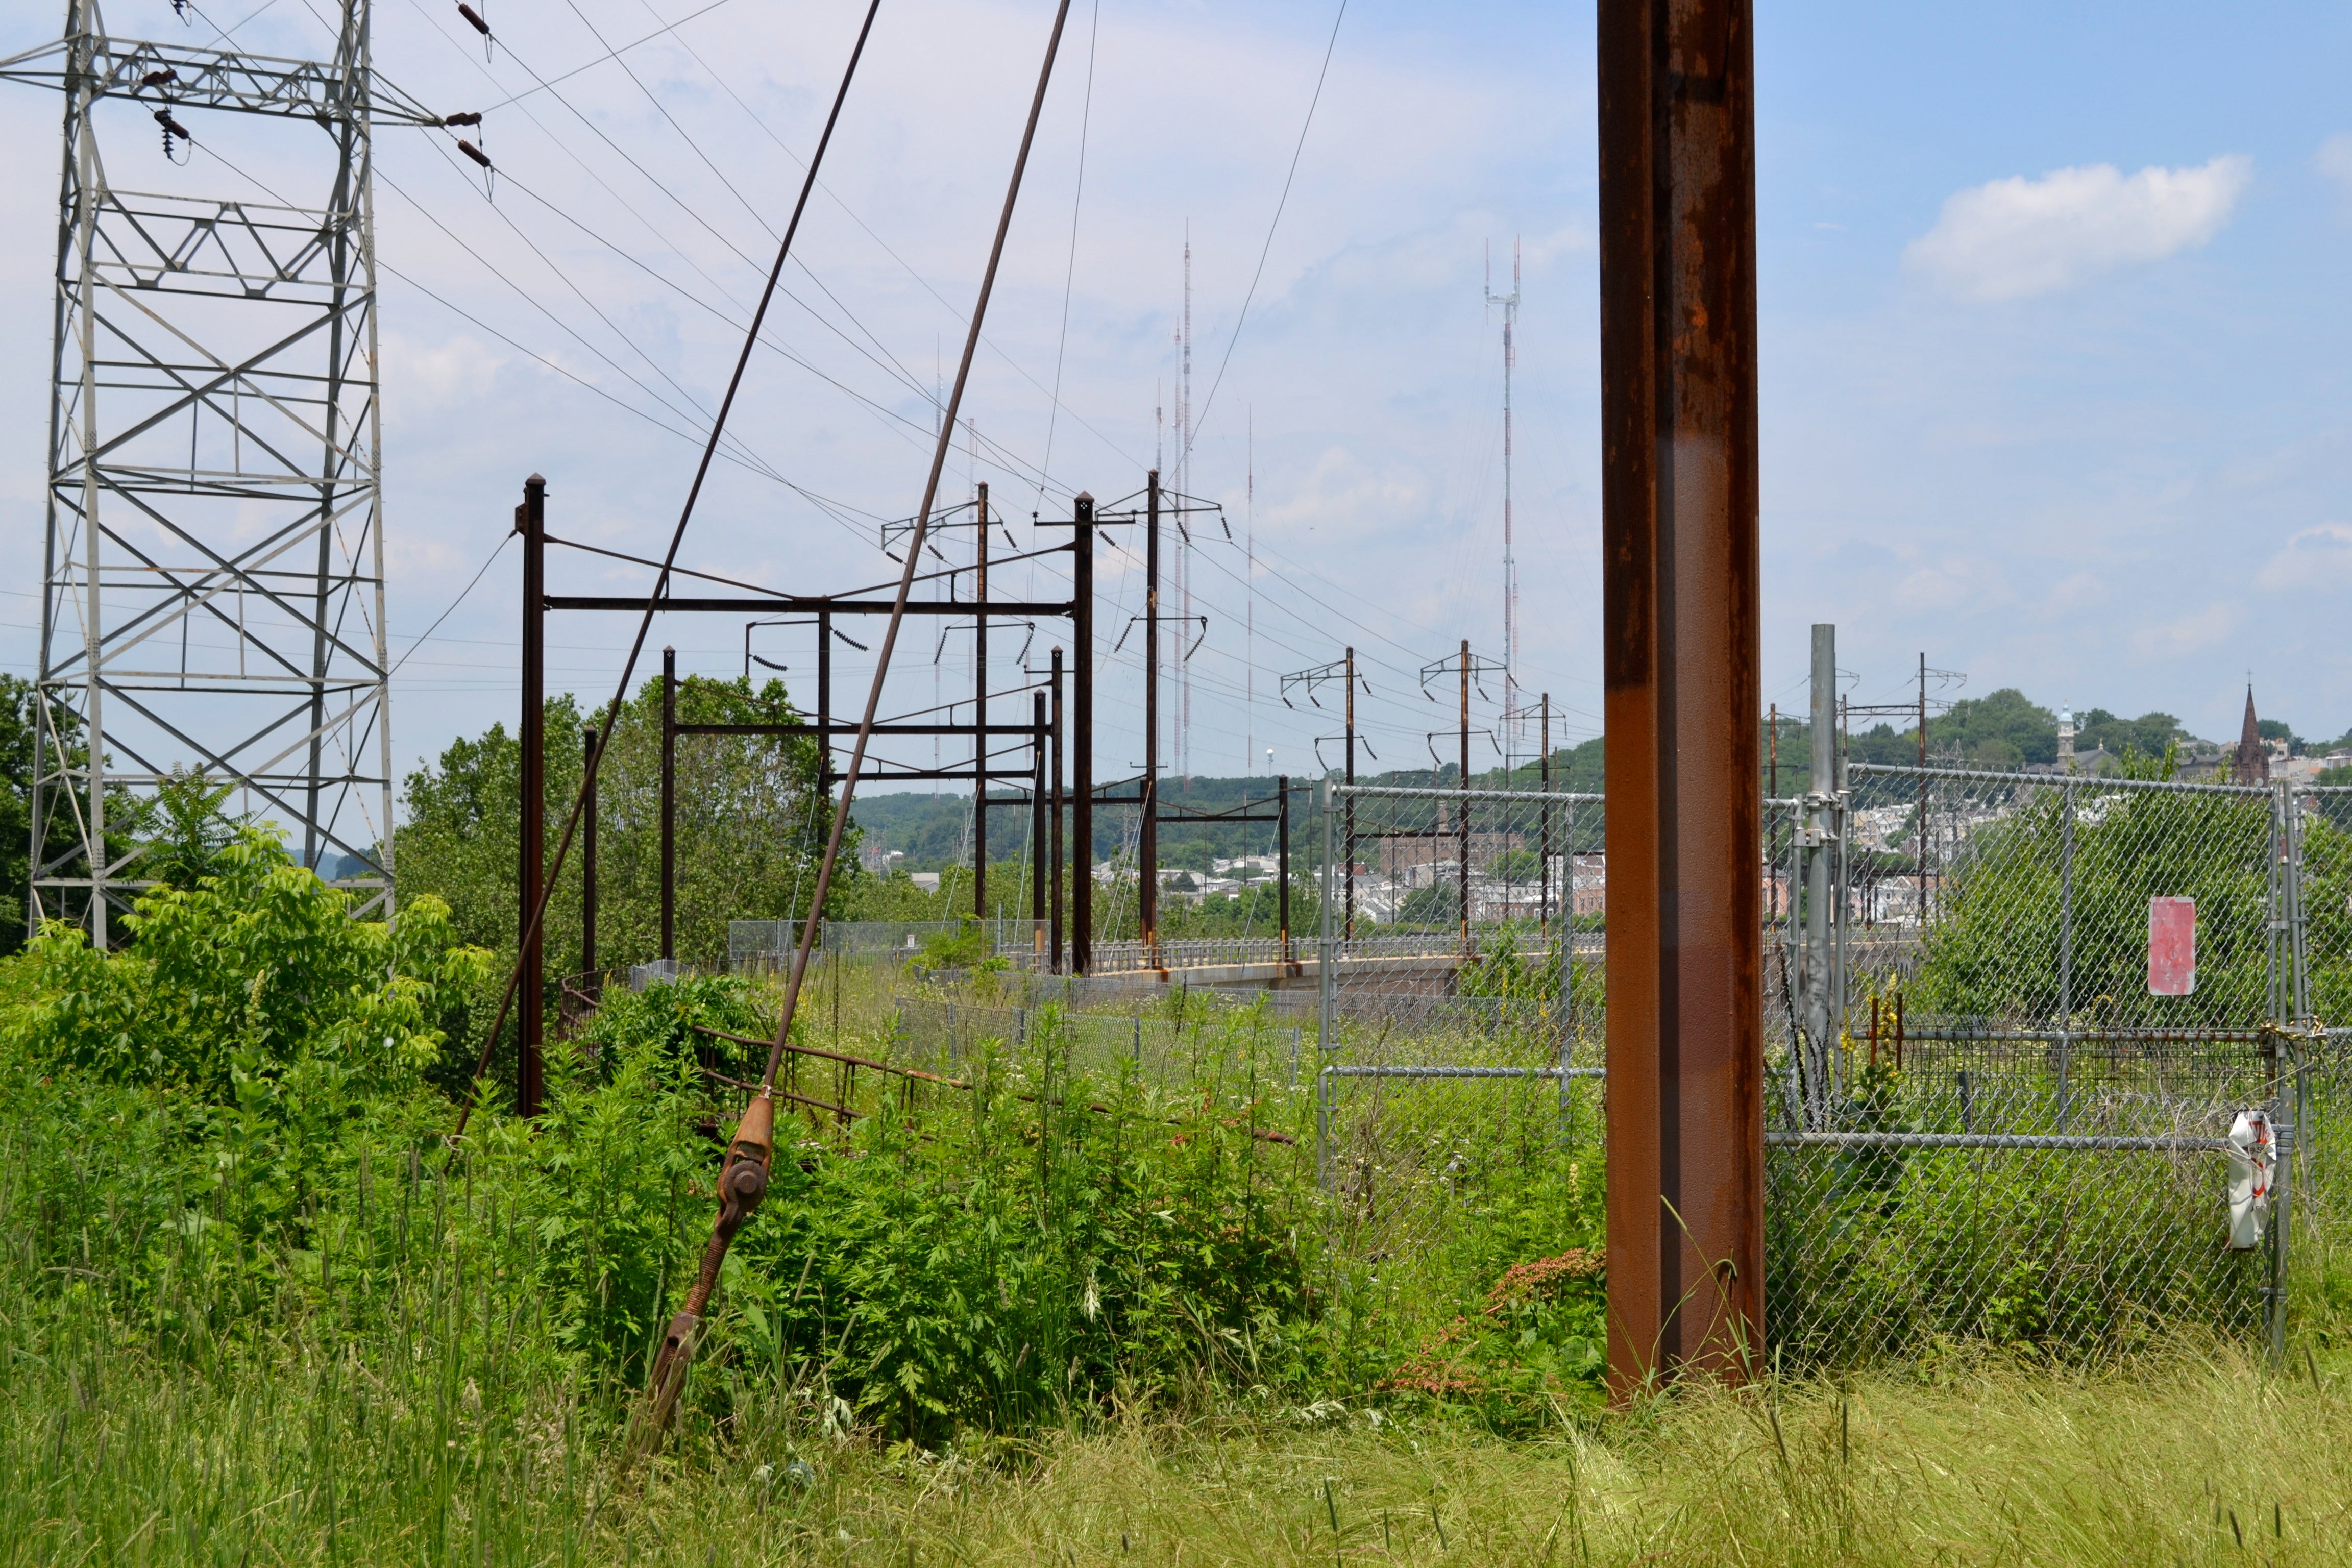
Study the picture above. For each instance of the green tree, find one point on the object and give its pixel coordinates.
(60, 840)
(752, 825)
(1994, 952)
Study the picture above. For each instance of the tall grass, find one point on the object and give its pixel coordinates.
(1066, 1313)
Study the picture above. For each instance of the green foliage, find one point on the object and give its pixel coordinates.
(2149, 735)
(19, 724)
(1502, 970)
(229, 985)
(750, 827)
(187, 832)
(1994, 951)
(968, 946)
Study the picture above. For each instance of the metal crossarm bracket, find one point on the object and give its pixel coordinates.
(211, 78)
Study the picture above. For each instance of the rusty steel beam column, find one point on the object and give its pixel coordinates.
(530, 522)
(1680, 651)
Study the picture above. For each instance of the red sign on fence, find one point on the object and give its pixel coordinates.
(2171, 946)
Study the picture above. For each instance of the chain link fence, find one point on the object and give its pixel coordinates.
(2003, 1069)
(766, 947)
(2054, 997)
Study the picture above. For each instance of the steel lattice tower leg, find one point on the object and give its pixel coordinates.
(213, 567)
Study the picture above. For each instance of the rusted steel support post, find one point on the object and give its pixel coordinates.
(588, 771)
(1282, 857)
(1037, 819)
(824, 703)
(530, 522)
(980, 714)
(1543, 855)
(1055, 872)
(1082, 735)
(1680, 663)
(1147, 836)
(670, 804)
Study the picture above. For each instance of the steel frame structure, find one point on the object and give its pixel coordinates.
(215, 464)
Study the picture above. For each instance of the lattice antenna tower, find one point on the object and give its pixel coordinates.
(1513, 721)
(1183, 536)
(212, 576)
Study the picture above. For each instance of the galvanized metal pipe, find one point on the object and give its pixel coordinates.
(2066, 945)
(1820, 883)
(1464, 1072)
(2077, 1142)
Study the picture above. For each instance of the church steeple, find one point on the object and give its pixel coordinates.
(2253, 760)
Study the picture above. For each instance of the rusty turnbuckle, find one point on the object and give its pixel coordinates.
(743, 1175)
(742, 1186)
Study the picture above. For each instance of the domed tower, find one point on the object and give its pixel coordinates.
(2065, 740)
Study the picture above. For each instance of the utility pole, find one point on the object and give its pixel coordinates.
(824, 704)
(1921, 813)
(1146, 889)
(1462, 783)
(1082, 731)
(1282, 857)
(1351, 799)
(530, 522)
(1037, 819)
(213, 464)
(1821, 834)
(670, 804)
(1543, 865)
(1055, 917)
(1681, 649)
(979, 716)
(588, 861)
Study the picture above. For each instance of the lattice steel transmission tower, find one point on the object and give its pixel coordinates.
(213, 575)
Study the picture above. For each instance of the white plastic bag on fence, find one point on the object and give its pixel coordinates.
(2253, 1157)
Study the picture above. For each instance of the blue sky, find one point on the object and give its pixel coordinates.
(2052, 334)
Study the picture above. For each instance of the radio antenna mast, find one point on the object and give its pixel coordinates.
(1514, 724)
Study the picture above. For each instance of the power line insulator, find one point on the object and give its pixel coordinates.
(475, 154)
(172, 128)
(473, 18)
(157, 78)
(468, 119)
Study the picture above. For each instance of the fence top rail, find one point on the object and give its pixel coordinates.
(2053, 781)
(1516, 796)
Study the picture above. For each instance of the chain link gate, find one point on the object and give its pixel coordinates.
(1458, 1021)
(2053, 998)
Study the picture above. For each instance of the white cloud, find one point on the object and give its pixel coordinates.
(2315, 558)
(2010, 238)
(2192, 632)
(2334, 161)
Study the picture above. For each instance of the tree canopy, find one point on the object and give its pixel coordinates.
(751, 826)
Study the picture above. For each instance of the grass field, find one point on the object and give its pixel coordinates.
(297, 1456)
(1060, 1316)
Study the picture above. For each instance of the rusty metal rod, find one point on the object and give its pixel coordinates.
(1264, 1134)
(743, 1180)
(669, 557)
(531, 734)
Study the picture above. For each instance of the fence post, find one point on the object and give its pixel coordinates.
(1819, 894)
(2065, 946)
(1567, 924)
(1326, 957)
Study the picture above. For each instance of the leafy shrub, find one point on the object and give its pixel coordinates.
(227, 986)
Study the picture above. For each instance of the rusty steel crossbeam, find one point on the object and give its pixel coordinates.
(1681, 652)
